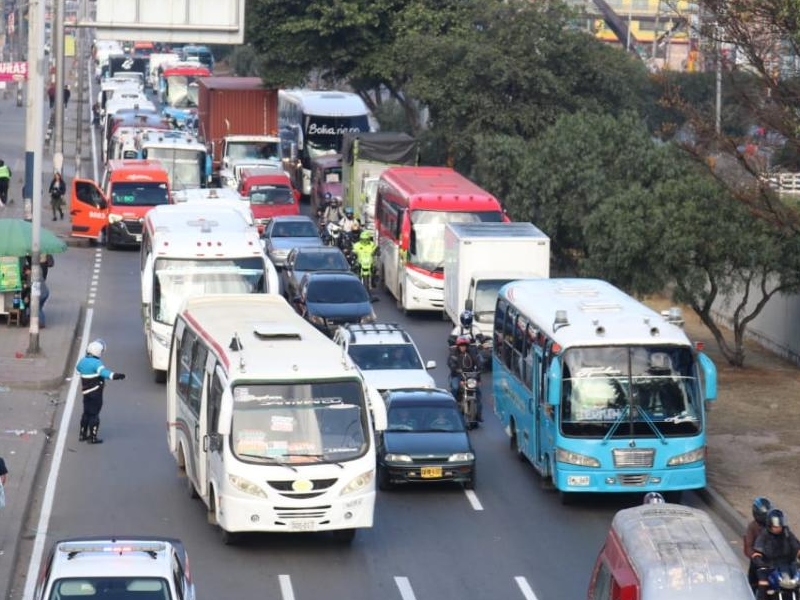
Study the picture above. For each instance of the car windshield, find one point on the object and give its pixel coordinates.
(139, 194)
(375, 357)
(104, 587)
(271, 194)
(294, 229)
(345, 290)
(320, 261)
(299, 422)
(422, 417)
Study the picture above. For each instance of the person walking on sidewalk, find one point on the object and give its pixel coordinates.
(93, 375)
(57, 190)
(3, 479)
(67, 94)
(5, 179)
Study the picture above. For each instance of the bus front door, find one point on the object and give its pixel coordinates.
(88, 210)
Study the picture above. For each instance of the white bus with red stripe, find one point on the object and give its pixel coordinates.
(195, 249)
(270, 424)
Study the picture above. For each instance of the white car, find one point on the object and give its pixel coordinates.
(386, 356)
(151, 568)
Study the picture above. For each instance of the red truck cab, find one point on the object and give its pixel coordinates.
(113, 214)
(270, 194)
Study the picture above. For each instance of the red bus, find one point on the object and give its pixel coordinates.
(412, 208)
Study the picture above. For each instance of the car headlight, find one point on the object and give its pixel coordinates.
(358, 483)
(114, 218)
(462, 457)
(687, 458)
(404, 458)
(419, 282)
(370, 318)
(573, 458)
(246, 486)
(162, 340)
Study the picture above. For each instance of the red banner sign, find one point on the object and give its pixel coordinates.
(13, 71)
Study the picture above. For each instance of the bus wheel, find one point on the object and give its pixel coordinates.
(567, 498)
(674, 497)
(515, 443)
(160, 376)
(228, 538)
(190, 486)
(344, 536)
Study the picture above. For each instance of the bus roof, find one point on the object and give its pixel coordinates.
(186, 68)
(597, 313)
(433, 183)
(277, 343)
(326, 103)
(679, 554)
(187, 218)
(169, 138)
(136, 167)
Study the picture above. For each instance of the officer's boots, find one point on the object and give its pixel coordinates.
(93, 439)
(84, 434)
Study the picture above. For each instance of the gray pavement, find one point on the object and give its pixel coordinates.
(33, 385)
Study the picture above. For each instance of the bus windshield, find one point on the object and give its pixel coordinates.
(139, 194)
(639, 391)
(182, 91)
(324, 134)
(299, 423)
(271, 194)
(180, 278)
(427, 234)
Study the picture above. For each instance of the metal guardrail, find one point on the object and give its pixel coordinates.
(785, 183)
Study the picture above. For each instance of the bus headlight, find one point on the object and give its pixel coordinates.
(687, 458)
(114, 218)
(573, 458)
(358, 483)
(246, 486)
(418, 282)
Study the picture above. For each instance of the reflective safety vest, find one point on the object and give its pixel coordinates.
(5, 172)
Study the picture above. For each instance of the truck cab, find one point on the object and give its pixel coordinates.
(112, 213)
(269, 193)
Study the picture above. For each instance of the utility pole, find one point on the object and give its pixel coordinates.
(80, 60)
(58, 55)
(37, 67)
(718, 102)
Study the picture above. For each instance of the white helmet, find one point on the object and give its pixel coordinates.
(96, 348)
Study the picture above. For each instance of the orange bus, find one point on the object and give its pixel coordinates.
(113, 214)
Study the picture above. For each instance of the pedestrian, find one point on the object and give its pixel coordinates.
(96, 114)
(57, 190)
(5, 179)
(44, 294)
(93, 375)
(67, 94)
(51, 95)
(3, 479)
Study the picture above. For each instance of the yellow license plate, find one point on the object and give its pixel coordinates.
(430, 472)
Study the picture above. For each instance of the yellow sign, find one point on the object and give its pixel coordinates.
(10, 279)
(69, 45)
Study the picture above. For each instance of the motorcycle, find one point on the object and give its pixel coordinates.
(784, 584)
(332, 233)
(365, 263)
(468, 397)
(482, 344)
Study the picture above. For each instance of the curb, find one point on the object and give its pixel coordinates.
(721, 507)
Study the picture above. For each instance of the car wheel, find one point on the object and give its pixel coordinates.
(470, 484)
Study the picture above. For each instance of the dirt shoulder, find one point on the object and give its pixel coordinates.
(753, 427)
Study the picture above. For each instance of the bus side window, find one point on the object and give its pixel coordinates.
(508, 337)
(185, 363)
(499, 318)
(519, 341)
(527, 356)
(197, 377)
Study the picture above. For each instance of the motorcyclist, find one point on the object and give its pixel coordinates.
(467, 327)
(365, 247)
(93, 374)
(776, 546)
(761, 507)
(465, 359)
(348, 222)
(333, 211)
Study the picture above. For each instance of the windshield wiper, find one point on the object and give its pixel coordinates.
(681, 417)
(615, 425)
(647, 419)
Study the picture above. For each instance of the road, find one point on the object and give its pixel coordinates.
(510, 539)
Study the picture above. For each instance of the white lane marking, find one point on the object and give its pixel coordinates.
(473, 500)
(55, 467)
(525, 588)
(406, 593)
(287, 593)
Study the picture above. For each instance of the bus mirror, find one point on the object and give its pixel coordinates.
(412, 242)
(709, 377)
(468, 304)
(554, 382)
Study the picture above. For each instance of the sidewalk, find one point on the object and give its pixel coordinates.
(32, 387)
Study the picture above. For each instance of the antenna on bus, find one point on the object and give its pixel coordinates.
(236, 343)
(561, 320)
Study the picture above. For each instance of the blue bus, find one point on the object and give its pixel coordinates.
(599, 392)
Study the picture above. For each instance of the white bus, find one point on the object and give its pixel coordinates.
(271, 424)
(312, 123)
(194, 249)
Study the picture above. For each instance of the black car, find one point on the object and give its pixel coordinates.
(425, 440)
(328, 299)
(307, 259)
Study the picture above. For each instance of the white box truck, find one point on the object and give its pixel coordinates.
(479, 258)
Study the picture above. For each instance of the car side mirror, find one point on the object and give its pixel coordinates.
(431, 364)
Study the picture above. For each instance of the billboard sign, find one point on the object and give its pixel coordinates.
(13, 71)
(176, 21)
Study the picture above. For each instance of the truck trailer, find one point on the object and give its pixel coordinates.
(238, 119)
(479, 258)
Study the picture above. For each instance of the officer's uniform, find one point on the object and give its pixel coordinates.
(93, 374)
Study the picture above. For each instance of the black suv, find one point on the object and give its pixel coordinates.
(328, 299)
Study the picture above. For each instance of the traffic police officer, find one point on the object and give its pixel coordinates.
(93, 375)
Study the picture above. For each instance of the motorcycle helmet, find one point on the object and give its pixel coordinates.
(466, 319)
(348, 212)
(462, 340)
(761, 506)
(365, 236)
(96, 348)
(776, 518)
(653, 498)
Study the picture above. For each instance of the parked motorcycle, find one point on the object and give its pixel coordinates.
(468, 397)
